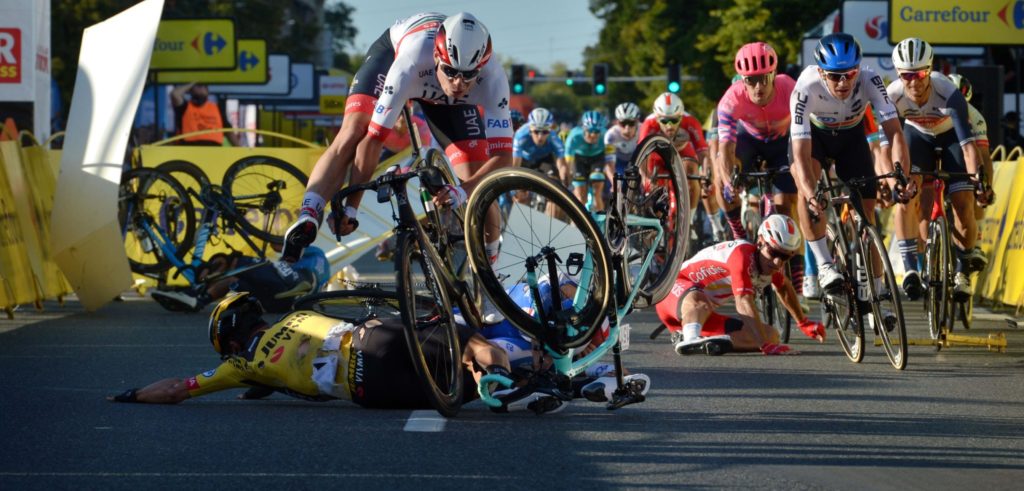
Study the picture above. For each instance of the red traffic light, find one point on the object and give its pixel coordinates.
(531, 74)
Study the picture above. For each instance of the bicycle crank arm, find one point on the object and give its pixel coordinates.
(631, 393)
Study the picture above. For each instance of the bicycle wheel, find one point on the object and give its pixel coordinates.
(267, 194)
(936, 277)
(839, 309)
(156, 219)
(894, 337)
(659, 161)
(188, 174)
(537, 238)
(430, 329)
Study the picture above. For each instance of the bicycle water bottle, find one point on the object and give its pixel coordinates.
(862, 281)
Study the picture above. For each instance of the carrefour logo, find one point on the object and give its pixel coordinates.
(1018, 14)
(212, 43)
(247, 60)
(877, 27)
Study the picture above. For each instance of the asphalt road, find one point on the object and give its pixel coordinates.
(952, 420)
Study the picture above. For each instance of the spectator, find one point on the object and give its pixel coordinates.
(198, 114)
(1011, 131)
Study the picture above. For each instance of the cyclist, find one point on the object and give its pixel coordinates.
(517, 119)
(670, 120)
(622, 136)
(534, 147)
(753, 125)
(735, 269)
(590, 159)
(443, 64)
(827, 122)
(976, 259)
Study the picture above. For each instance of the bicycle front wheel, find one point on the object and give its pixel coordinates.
(892, 330)
(840, 308)
(267, 193)
(156, 218)
(937, 277)
(430, 329)
(571, 246)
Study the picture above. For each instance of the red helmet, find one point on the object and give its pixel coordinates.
(756, 59)
(463, 42)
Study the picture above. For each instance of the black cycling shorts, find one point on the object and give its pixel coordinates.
(369, 79)
(750, 151)
(849, 148)
(545, 164)
(587, 165)
(922, 155)
(384, 377)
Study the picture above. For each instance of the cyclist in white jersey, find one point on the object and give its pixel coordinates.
(937, 117)
(623, 135)
(442, 63)
(828, 106)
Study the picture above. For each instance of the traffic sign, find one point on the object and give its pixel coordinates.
(250, 69)
(194, 44)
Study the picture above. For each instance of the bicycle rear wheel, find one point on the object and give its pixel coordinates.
(267, 192)
(430, 329)
(658, 161)
(937, 278)
(536, 237)
(153, 209)
(839, 309)
(894, 337)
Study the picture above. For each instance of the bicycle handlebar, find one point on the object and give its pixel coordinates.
(859, 182)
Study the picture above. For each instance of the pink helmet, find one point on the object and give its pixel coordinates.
(756, 59)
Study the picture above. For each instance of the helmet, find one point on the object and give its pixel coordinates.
(463, 42)
(626, 111)
(912, 54)
(756, 59)
(837, 52)
(517, 118)
(593, 121)
(668, 104)
(963, 84)
(236, 314)
(541, 118)
(781, 233)
(315, 261)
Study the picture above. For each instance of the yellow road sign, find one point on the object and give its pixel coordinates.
(250, 69)
(956, 22)
(194, 44)
(333, 91)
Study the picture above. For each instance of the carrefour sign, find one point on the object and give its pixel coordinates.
(976, 22)
(195, 44)
(251, 68)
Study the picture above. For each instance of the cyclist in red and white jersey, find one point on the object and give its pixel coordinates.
(442, 63)
(670, 119)
(735, 269)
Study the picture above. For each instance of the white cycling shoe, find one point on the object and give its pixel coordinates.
(602, 389)
(830, 279)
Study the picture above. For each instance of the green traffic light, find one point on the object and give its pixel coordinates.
(673, 87)
(568, 82)
(517, 88)
(599, 88)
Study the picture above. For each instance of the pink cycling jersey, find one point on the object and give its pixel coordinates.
(766, 123)
(725, 271)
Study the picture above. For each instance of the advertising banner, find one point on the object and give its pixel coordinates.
(195, 44)
(25, 66)
(301, 88)
(955, 22)
(333, 91)
(868, 21)
(250, 69)
(278, 74)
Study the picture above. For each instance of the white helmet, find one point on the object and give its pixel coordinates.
(668, 105)
(541, 118)
(912, 54)
(463, 42)
(963, 84)
(781, 234)
(627, 111)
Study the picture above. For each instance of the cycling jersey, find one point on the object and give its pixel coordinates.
(765, 123)
(576, 145)
(945, 109)
(689, 138)
(623, 148)
(270, 279)
(979, 128)
(523, 146)
(812, 104)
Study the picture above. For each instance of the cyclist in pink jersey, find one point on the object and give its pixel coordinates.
(735, 269)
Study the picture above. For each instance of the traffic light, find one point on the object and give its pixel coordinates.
(518, 79)
(673, 78)
(600, 78)
(568, 78)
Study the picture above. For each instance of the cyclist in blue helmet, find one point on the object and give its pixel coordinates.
(590, 157)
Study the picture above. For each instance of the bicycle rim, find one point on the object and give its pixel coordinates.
(151, 198)
(528, 233)
(840, 307)
(936, 277)
(267, 193)
(894, 338)
(430, 329)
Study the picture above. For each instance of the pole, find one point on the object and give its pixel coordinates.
(1017, 76)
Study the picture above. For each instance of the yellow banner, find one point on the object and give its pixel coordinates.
(1009, 257)
(194, 44)
(251, 68)
(18, 280)
(995, 228)
(955, 22)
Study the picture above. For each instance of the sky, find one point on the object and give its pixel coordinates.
(534, 32)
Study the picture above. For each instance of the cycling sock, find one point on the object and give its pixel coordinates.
(492, 249)
(908, 251)
(920, 261)
(961, 259)
(810, 267)
(716, 226)
(735, 219)
(796, 270)
(691, 331)
(819, 248)
(312, 205)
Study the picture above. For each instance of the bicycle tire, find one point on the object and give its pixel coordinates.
(440, 377)
(937, 278)
(189, 175)
(580, 235)
(676, 223)
(887, 299)
(839, 308)
(154, 197)
(247, 184)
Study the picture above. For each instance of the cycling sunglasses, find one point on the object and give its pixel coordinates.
(840, 76)
(776, 254)
(672, 121)
(627, 123)
(914, 75)
(763, 79)
(539, 132)
(451, 72)
(594, 131)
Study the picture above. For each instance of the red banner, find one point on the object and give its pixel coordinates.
(10, 55)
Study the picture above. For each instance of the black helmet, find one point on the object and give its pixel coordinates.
(235, 315)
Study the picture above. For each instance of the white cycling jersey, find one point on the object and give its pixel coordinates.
(946, 109)
(979, 128)
(623, 148)
(811, 103)
(411, 77)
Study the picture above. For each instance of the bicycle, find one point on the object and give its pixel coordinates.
(851, 239)
(940, 305)
(429, 265)
(609, 256)
(766, 301)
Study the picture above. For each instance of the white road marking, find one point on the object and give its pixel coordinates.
(258, 474)
(425, 421)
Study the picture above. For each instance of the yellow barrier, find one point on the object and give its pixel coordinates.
(1003, 236)
(20, 282)
(41, 179)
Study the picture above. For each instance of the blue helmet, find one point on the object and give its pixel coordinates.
(837, 52)
(314, 260)
(594, 121)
